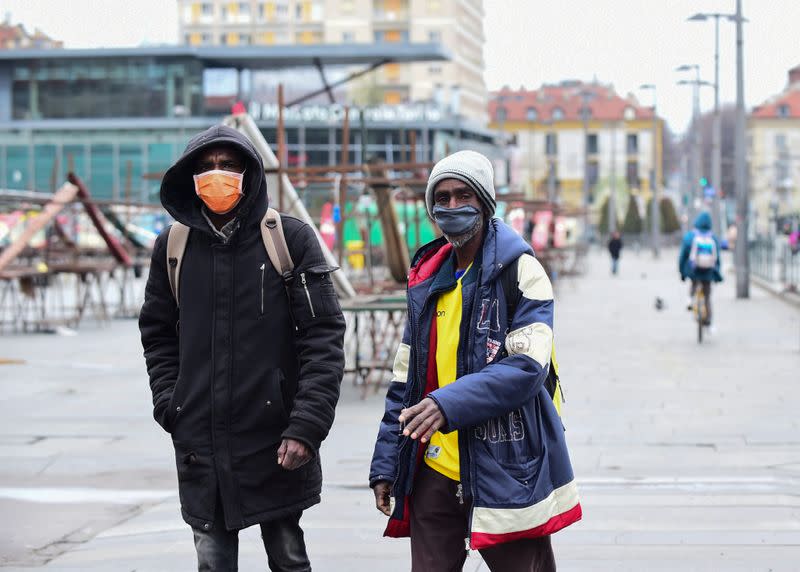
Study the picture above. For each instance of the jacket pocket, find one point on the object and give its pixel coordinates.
(313, 295)
(259, 405)
(175, 406)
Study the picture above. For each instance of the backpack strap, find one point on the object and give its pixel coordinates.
(275, 244)
(177, 237)
(509, 281)
(510, 284)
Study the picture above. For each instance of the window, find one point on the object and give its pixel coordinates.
(591, 144)
(347, 6)
(207, 9)
(224, 12)
(205, 38)
(245, 39)
(244, 8)
(392, 97)
(435, 70)
(551, 144)
(501, 113)
(632, 174)
(391, 36)
(531, 114)
(348, 37)
(262, 12)
(593, 172)
(392, 71)
(783, 110)
(434, 36)
(632, 144)
(558, 114)
(630, 113)
(282, 10)
(223, 39)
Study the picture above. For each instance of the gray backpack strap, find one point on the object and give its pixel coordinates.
(176, 246)
(275, 244)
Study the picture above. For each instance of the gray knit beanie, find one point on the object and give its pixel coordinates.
(468, 166)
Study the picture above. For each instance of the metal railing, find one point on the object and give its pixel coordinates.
(774, 261)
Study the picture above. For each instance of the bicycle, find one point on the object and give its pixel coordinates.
(700, 310)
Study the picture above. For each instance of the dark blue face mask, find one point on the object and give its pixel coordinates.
(457, 221)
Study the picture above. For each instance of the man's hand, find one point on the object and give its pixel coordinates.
(382, 492)
(293, 454)
(422, 420)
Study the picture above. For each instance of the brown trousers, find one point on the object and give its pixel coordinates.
(439, 521)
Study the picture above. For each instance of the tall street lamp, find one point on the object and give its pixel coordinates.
(742, 198)
(716, 158)
(586, 96)
(655, 219)
(696, 163)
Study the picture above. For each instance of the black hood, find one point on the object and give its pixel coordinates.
(177, 188)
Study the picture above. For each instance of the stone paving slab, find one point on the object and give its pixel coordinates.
(688, 457)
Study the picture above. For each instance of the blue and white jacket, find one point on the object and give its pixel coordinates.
(515, 467)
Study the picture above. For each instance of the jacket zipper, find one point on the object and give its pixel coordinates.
(308, 295)
(470, 451)
(262, 288)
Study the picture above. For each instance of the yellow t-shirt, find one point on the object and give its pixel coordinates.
(442, 452)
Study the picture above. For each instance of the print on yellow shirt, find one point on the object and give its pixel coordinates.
(442, 452)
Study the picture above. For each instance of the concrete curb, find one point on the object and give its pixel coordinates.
(778, 291)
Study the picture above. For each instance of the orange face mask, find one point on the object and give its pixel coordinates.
(220, 190)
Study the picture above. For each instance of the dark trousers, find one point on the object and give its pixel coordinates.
(218, 548)
(706, 294)
(439, 521)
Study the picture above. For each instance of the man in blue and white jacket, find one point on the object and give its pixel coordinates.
(471, 445)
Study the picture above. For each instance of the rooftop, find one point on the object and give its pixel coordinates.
(563, 102)
(785, 105)
(253, 57)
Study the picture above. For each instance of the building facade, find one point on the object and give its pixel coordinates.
(16, 37)
(555, 124)
(120, 117)
(774, 155)
(455, 24)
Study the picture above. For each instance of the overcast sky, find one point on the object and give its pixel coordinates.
(530, 42)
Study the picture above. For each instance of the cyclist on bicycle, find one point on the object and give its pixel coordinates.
(699, 260)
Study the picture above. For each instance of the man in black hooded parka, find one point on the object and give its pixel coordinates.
(245, 376)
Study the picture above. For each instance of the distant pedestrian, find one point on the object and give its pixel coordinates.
(471, 444)
(245, 371)
(614, 249)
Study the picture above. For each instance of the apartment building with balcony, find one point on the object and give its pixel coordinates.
(456, 86)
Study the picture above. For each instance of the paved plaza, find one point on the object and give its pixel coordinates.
(687, 456)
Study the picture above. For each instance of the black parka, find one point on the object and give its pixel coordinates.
(231, 376)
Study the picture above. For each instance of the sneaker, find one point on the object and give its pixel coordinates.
(690, 303)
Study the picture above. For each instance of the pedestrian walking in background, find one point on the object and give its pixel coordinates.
(699, 261)
(244, 367)
(614, 249)
(471, 444)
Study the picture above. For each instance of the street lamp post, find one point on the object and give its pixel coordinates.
(586, 96)
(655, 219)
(742, 199)
(697, 160)
(716, 158)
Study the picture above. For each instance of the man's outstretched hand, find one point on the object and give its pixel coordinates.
(422, 420)
(293, 454)
(382, 492)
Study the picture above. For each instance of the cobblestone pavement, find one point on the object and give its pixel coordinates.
(688, 456)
